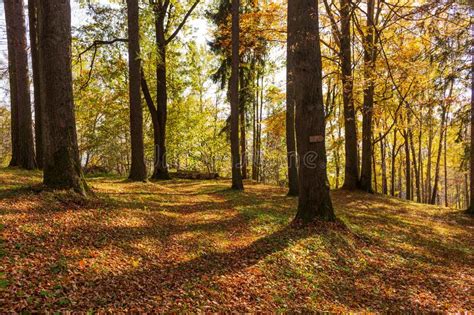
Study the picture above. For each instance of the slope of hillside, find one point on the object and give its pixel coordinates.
(194, 245)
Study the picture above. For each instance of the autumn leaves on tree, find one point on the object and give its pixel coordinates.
(345, 64)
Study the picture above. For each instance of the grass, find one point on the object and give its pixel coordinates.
(197, 246)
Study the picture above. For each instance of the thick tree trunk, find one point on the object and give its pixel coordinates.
(33, 20)
(138, 167)
(290, 125)
(62, 169)
(351, 176)
(306, 69)
(23, 144)
(13, 89)
(237, 183)
(368, 105)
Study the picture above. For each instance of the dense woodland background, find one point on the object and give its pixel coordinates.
(420, 78)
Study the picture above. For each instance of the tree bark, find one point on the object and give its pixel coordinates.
(161, 167)
(471, 195)
(13, 89)
(383, 153)
(33, 22)
(416, 165)
(138, 168)
(243, 89)
(393, 166)
(62, 169)
(446, 203)
(430, 149)
(351, 176)
(255, 133)
(368, 105)
(407, 166)
(290, 124)
(237, 183)
(442, 130)
(22, 126)
(306, 69)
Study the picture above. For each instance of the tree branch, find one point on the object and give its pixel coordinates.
(180, 26)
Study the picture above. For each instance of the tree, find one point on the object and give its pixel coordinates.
(290, 122)
(62, 169)
(290, 130)
(138, 167)
(351, 176)
(343, 38)
(23, 154)
(306, 69)
(33, 23)
(368, 106)
(237, 183)
(162, 11)
(471, 203)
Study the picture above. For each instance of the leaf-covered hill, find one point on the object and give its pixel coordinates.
(196, 246)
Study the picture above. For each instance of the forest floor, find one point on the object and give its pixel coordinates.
(197, 246)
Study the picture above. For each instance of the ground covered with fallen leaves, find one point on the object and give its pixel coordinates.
(197, 246)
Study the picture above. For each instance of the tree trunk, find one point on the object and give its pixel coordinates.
(138, 167)
(10, 29)
(237, 183)
(338, 157)
(434, 194)
(24, 153)
(393, 166)
(430, 149)
(161, 166)
(446, 203)
(243, 140)
(306, 69)
(420, 157)
(471, 200)
(368, 105)
(351, 176)
(442, 130)
(384, 166)
(416, 166)
(290, 125)
(33, 22)
(62, 169)
(255, 133)
(400, 182)
(407, 166)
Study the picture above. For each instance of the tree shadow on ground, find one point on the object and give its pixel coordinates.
(153, 281)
